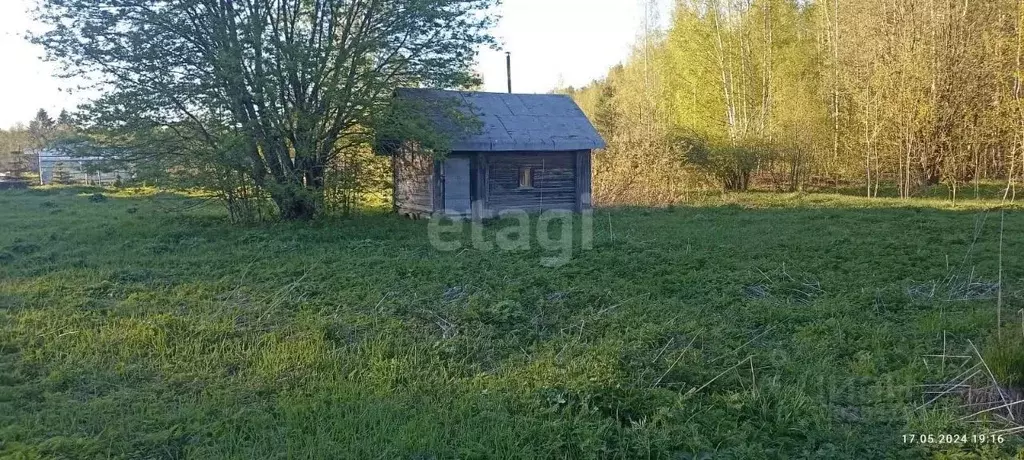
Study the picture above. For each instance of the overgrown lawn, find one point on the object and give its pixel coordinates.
(751, 326)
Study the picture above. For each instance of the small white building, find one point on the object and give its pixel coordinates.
(78, 170)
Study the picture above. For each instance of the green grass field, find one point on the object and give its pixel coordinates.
(751, 326)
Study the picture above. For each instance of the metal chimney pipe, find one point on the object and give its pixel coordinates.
(508, 69)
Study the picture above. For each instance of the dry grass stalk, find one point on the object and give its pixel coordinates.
(985, 399)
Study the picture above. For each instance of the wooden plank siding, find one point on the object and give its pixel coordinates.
(414, 183)
(547, 133)
(554, 181)
(493, 183)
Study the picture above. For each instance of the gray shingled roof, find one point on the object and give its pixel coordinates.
(514, 122)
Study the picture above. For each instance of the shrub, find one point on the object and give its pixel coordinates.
(730, 163)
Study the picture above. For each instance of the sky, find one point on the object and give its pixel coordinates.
(562, 42)
(553, 43)
(26, 83)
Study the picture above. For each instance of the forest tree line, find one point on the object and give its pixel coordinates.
(792, 94)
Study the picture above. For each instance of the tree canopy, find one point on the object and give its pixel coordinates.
(271, 92)
(910, 93)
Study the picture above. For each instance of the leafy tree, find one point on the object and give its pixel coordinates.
(912, 93)
(272, 91)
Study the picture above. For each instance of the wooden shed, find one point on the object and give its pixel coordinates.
(527, 152)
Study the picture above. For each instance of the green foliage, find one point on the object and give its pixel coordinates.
(910, 93)
(605, 119)
(13, 145)
(355, 178)
(146, 326)
(275, 91)
(42, 128)
(731, 165)
(426, 125)
(18, 164)
(20, 146)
